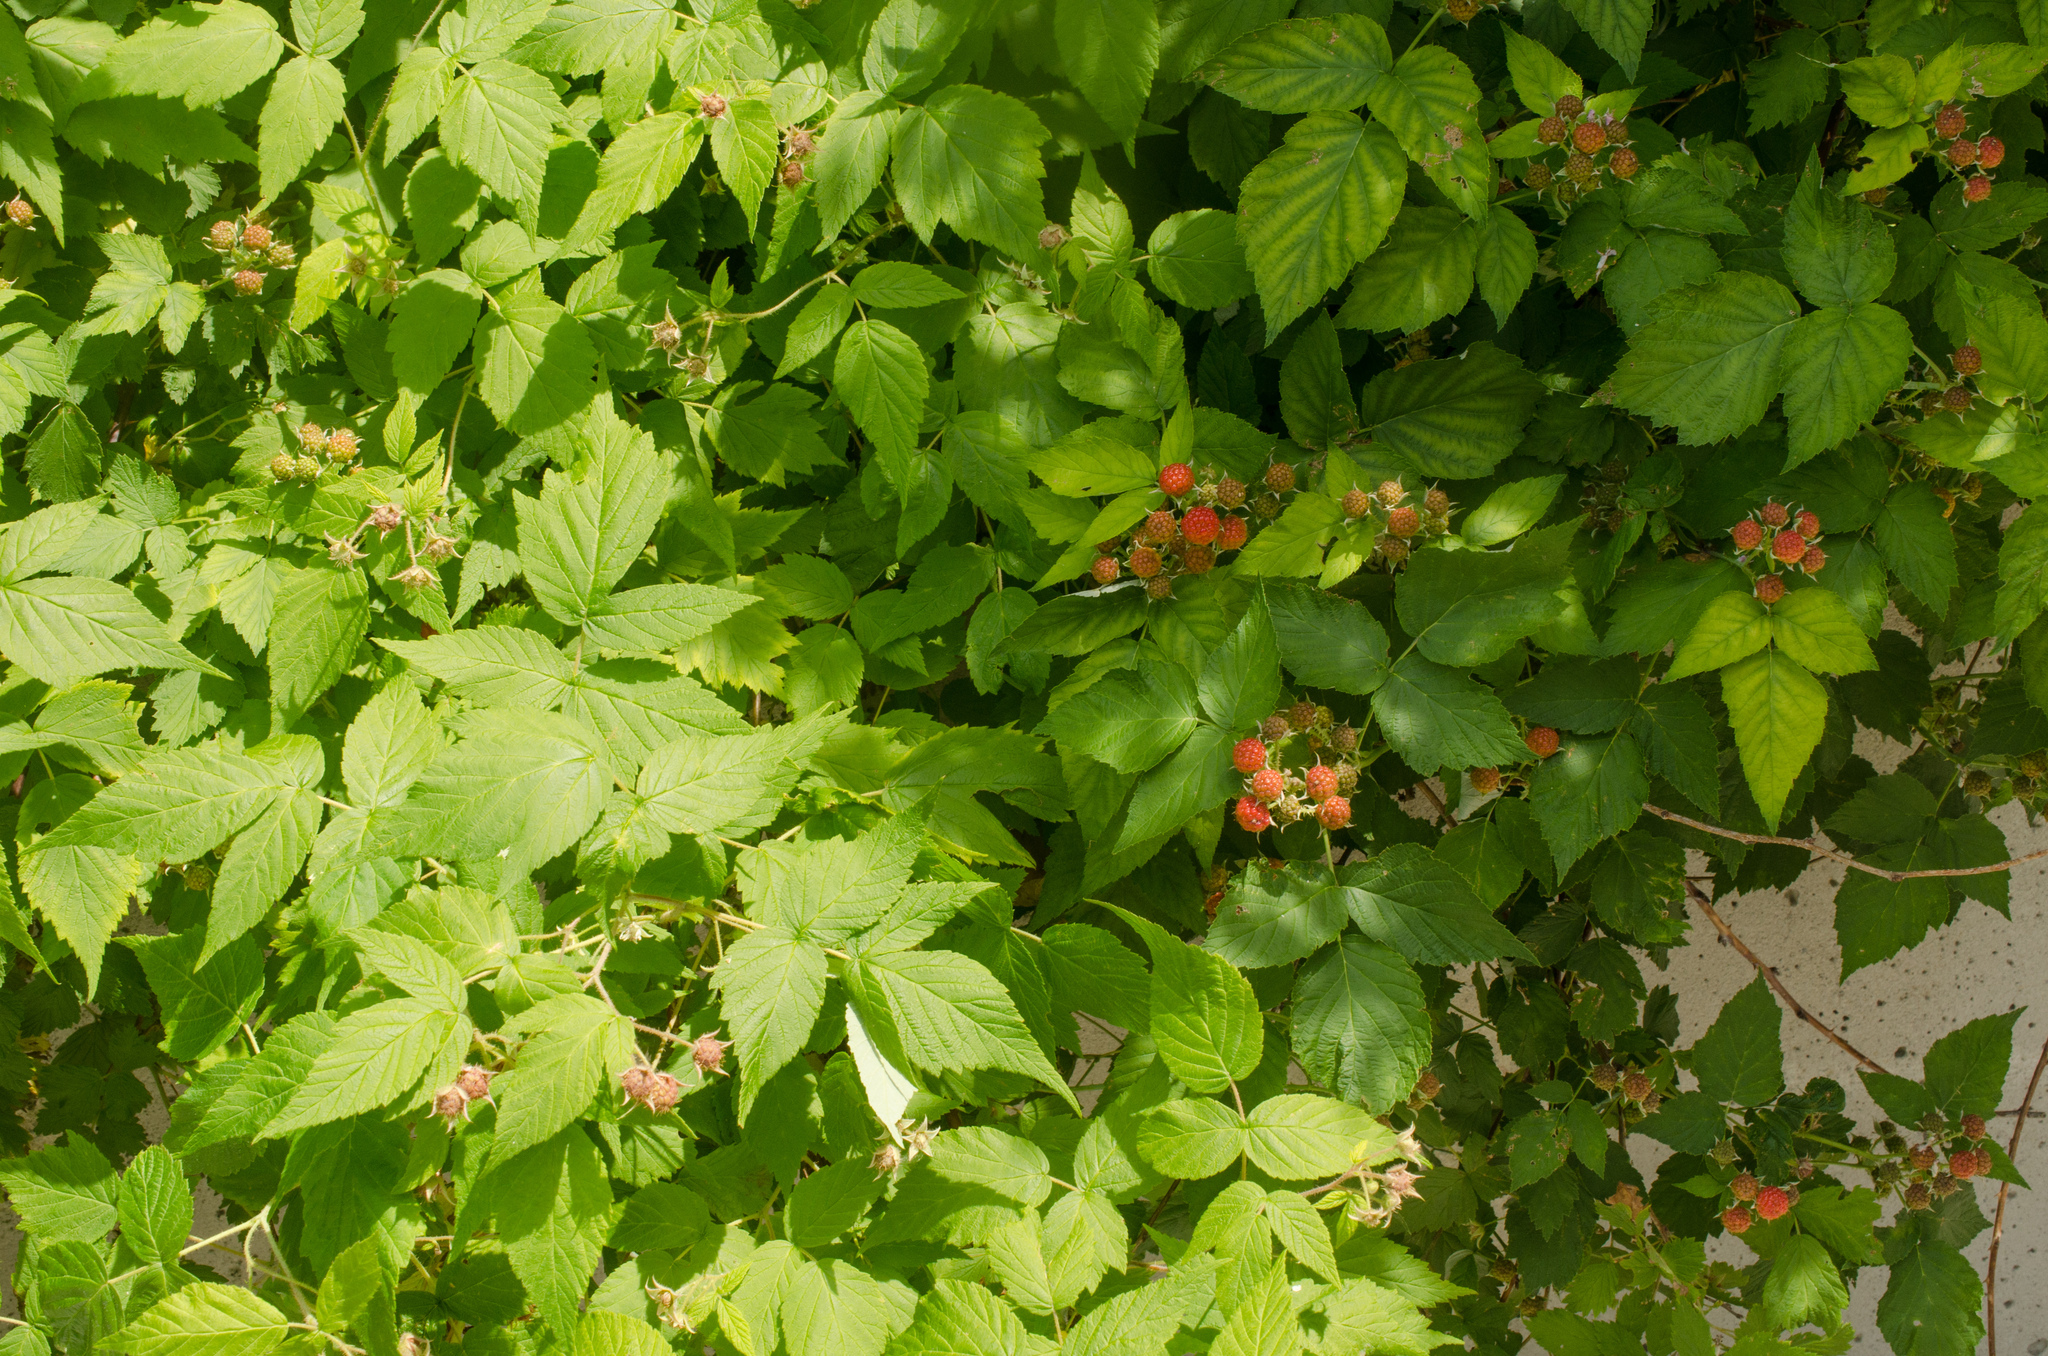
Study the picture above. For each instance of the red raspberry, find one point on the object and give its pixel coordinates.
(248, 282)
(1967, 361)
(1990, 152)
(1159, 527)
(1813, 560)
(1624, 163)
(1404, 521)
(1436, 501)
(1279, 477)
(1198, 559)
(1334, 813)
(1322, 782)
(1542, 740)
(1807, 524)
(1230, 493)
(1769, 589)
(1269, 784)
(1485, 780)
(1962, 153)
(1736, 1219)
(1744, 1186)
(1248, 755)
(1789, 547)
(1956, 399)
(1772, 1202)
(1232, 535)
(1145, 562)
(1570, 106)
(256, 237)
(1589, 137)
(1177, 479)
(1552, 131)
(1200, 525)
(1973, 1126)
(1774, 514)
(1105, 569)
(1253, 817)
(1950, 121)
(1962, 1164)
(1748, 534)
(1976, 189)
(1356, 502)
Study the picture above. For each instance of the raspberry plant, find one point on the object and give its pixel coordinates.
(914, 677)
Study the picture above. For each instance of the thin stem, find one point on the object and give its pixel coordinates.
(448, 475)
(1998, 1220)
(1706, 907)
(1820, 849)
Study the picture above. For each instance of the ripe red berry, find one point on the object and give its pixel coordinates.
(1248, 755)
(1736, 1219)
(1200, 525)
(1789, 547)
(1807, 524)
(1404, 521)
(1542, 740)
(1813, 560)
(1744, 1186)
(1771, 1202)
(1177, 479)
(1269, 784)
(1552, 131)
(1769, 589)
(1624, 163)
(1956, 399)
(1962, 1164)
(1159, 527)
(1962, 153)
(1774, 514)
(1748, 534)
(1990, 152)
(1145, 562)
(1253, 817)
(1322, 782)
(1485, 780)
(1967, 361)
(1976, 189)
(1279, 477)
(1232, 534)
(1570, 106)
(1950, 121)
(1105, 569)
(1334, 813)
(1356, 502)
(1589, 137)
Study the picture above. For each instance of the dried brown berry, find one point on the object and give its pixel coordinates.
(712, 105)
(791, 174)
(707, 1052)
(387, 517)
(474, 1080)
(1923, 1157)
(1052, 236)
(1635, 1084)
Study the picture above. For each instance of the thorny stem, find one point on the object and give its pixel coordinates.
(1820, 849)
(1706, 906)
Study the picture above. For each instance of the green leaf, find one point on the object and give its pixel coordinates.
(305, 102)
(316, 623)
(576, 540)
(200, 54)
(1451, 417)
(62, 630)
(200, 1319)
(1419, 905)
(1421, 274)
(1191, 1138)
(852, 153)
(1315, 207)
(1128, 720)
(1194, 779)
(204, 997)
(1435, 717)
(63, 1192)
(1540, 78)
(1933, 1304)
(1468, 608)
(534, 360)
(1110, 49)
(1302, 1135)
(1197, 259)
(1536, 1144)
(156, 1206)
(1619, 26)
(745, 145)
(1264, 1324)
(1510, 511)
(432, 321)
(1326, 641)
(1838, 253)
(880, 373)
(1428, 99)
(1813, 625)
(1839, 365)
(1303, 67)
(1269, 918)
(1240, 682)
(1740, 1059)
(1732, 625)
(969, 158)
(1713, 359)
(1804, 1286)
(1776, 709)
(553, 1206)
(641, 167)
(1360, 1026)
(379, 1053)
(497, 125)
(496, 665)
(1966, 1069)
(577, 1048)
(1589, 790)
(1204, 1019)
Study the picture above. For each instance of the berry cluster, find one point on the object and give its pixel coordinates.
(1754, 1201)
(1165, 546)
(1602, 498)
(19, 213)
(247, 248)
(1787, 540)
(1951, 124)
(472, 1084)
(1952, 397)
(340, 446)
(1583, 136)
(1541, 741)
(1278, 793)
(431, 548)
(1402, 516)
(1933, 1169)
(657, 1091)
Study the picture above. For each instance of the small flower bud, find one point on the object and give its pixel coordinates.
(414, 576)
